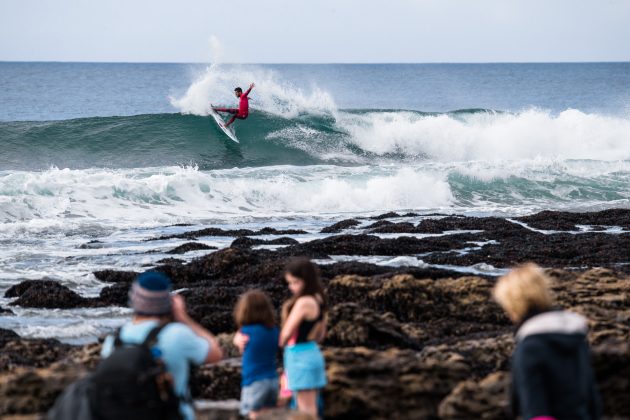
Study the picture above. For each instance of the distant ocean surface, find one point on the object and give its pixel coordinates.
(119, 152)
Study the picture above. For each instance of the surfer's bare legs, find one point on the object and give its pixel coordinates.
(239, 116)
(227, 124)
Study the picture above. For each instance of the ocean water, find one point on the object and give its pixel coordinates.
(119, 153)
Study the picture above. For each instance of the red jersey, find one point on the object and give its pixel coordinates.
(243, 106)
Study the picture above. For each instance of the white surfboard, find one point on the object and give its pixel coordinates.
(227, 130)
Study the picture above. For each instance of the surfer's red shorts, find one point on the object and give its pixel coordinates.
(235, 111)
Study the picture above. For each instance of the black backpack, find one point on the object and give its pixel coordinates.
(133, 384)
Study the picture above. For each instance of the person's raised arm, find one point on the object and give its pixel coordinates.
(179, 313)
(251, 86)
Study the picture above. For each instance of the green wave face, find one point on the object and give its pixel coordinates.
(348, 138)
(175, 139)
(147, 140)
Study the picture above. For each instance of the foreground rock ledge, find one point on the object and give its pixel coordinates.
(399, 347)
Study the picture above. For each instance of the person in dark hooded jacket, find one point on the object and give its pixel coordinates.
(552, 376)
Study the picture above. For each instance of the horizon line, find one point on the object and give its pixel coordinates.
(312, 63)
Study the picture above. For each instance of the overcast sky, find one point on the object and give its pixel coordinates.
(306, 31)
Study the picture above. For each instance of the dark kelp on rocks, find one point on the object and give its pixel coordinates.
(403, 342)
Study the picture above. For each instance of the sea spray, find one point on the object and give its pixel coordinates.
(215, 86)
(158, 196)
(464, 136)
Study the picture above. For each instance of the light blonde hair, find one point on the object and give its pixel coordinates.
(522, 290)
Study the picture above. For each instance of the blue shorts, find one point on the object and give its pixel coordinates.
(305, 367)
(260, 394)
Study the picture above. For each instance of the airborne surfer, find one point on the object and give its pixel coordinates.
(243, 106)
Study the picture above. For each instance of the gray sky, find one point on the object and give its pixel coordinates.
(305, 31)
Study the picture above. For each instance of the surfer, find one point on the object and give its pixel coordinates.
(243, 106)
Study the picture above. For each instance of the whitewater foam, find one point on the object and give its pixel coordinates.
(531, 134)
(158, 196)
(215, 85)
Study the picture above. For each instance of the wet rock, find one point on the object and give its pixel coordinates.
(495, 226)
(212, 231)
(229, 350)
(439, 346)
(403, 227)
(558, 250)
(350, 325)
(561, 220)
(114, 276)
(378, 224)
(246, 242)
(221, 381)
(373, 245)
(44, 294)
(395, 383)
(418, 300)
(230, 266)
(328, 271)
(190, 246)
(18, 352)
(31, 391)
(170, 261)
(339, 226)
(6, 336)
(216, 318)
(484, 352)
(92, 245)
(612, 371)
(116, 295)
(485, 399)
(389, 215)
(5, 311)
(272, 231)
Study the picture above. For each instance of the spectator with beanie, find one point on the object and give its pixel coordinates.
(180, 342)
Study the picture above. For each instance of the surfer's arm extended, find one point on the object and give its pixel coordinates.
(249, 90)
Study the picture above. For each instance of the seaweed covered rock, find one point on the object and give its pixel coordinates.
(32, 391)
(563, 220)
(114, 276)
(484, 399)
(412, 299)
(190, 246)
(246, 242)
(350, 325)
(44, 294)
(342, 225)
(16, 352)
(388, 384)
(221, 381)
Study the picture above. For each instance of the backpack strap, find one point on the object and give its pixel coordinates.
(117, 340)
(152, 336)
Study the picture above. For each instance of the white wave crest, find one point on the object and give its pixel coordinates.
(215, 85)
(531, 134)
(65, 198)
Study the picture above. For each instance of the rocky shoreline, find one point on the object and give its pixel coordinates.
(413, 341)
